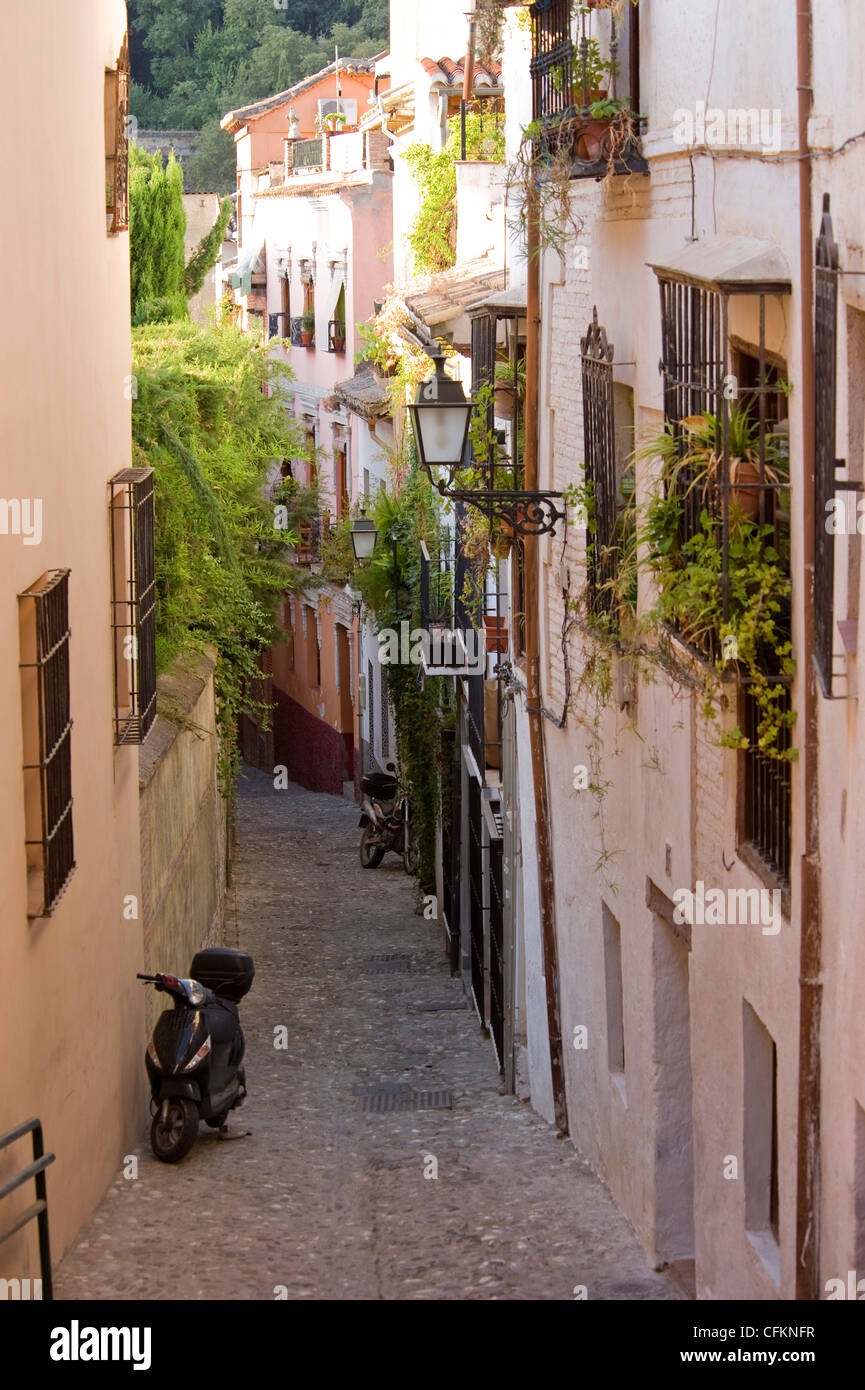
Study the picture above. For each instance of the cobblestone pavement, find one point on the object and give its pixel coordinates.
(324, 1198)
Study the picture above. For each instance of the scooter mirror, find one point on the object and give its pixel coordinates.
(390, 767)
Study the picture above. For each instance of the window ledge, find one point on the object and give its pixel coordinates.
(751, 857)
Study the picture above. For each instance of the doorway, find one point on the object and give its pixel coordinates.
(674, 1142)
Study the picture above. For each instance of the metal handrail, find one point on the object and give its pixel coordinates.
(39, 1208)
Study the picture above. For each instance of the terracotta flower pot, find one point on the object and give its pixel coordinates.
(496, 630)
(594, 139)
(747, 499)
(305, 338)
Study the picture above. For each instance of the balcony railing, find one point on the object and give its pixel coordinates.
(309, 154)
(592, 126)
(278, 326)
(296, 328)
(336, 335)
(311, 534)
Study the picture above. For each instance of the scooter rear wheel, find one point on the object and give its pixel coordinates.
(172, 1139)
(371, 854)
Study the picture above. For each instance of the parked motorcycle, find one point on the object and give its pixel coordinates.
(386, 817)
(195, 1058)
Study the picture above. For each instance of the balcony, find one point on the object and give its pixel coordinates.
(318, 160)
(302, 334)
(278, 326)
(336, 335)
(311, 534)
(585, 92)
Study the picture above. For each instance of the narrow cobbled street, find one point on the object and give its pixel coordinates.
(328, 1198)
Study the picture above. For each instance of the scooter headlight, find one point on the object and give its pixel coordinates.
(199, 1056)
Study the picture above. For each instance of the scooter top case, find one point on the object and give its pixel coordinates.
(228, 973)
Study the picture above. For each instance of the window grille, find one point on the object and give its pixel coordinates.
(825, 349)
(599, 442)
(133, 570)
(767, 786)
(385, 715)
(697, 380)
(47, 748)
(117, 142)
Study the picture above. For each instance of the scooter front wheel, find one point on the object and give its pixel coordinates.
(173, 1135)
(371, 854)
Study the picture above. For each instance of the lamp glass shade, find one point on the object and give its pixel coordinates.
(440, 416)
(443, 432)
(363, 538)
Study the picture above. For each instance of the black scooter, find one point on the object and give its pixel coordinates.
(386, 818)
(195, 1059)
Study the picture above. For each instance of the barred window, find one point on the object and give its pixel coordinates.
(726, 467)
(133, 574)
(608, 444)
(385, 716)
(44, 617)
(825, 483)
(117, 142)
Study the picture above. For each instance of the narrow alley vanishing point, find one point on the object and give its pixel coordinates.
(329, 1197)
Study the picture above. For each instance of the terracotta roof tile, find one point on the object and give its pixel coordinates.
(452, 74)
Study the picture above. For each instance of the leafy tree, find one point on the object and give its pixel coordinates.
(206, 253)
(212, 169)
(157, 225)
(202, 421)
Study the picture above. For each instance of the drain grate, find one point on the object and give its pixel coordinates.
(388, 964)
(387, 1096)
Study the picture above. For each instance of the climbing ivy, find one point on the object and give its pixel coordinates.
(202, 421)
(433, 236)
(422, 706)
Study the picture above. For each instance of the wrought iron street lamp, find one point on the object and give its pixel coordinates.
(363, 537)
(440, 417)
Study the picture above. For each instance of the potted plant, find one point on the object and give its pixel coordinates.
(496, 630)
(506, 388)
(335, 121)
(307, 329)
(337, 336)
